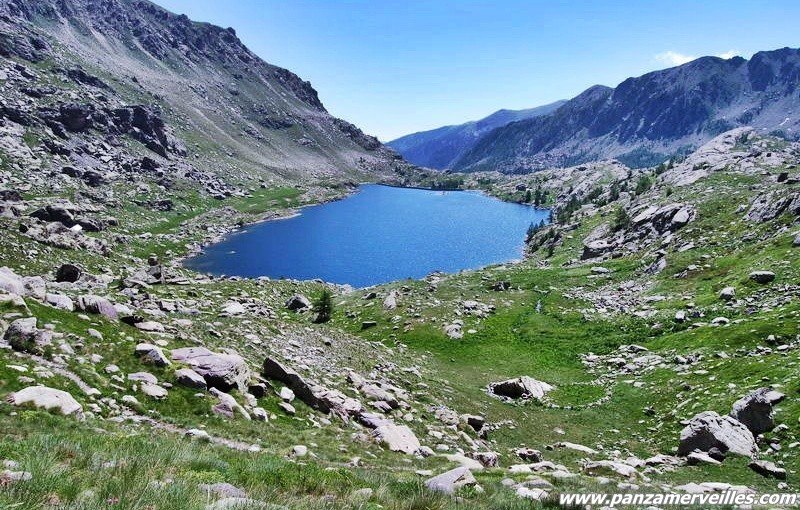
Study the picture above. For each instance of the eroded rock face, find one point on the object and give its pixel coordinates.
(756, 410)
(317, 397)
(520, 388)
(709, 430)
(223, 371)
(46, 398)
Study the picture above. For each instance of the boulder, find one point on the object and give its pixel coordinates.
(453, 331)
(601, 467)
(762, 276)
(60, 301)
(390, 303)
(298, 302)
(150, 353)
(756, 410)
(708, 430)
(95, 304)
(529, 454)
(189, 378)
(23, 335)
(68, 273)
(153, 390)
(594, 249)
(796, 241)
(486, 459)
(520, 388)
(11, 282)
(398, 438)
(227, 405)
(47, 398)
(223, 371)
(143, 377)
(768, 469)
(317, 397)
(450, 481)
(727, 294)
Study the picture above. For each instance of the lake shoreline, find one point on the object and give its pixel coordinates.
(292, 261)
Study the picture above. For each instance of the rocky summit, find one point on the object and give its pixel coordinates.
(647, 342)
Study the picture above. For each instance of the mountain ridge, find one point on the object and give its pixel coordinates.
(647, 119)
(439, 148)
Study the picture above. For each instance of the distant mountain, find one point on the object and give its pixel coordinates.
(439, 148)
(647, 119)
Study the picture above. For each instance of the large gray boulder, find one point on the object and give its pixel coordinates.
(96, 304)
(189, 378)
(756, 410)
(23, 335)
(11, 282)
(762, 276)
(47, 398)
(223, 371)
(450, 481)
(709, 430)
(298, 302)
(398, 438)
(520, 388)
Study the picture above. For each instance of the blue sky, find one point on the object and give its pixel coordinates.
(396, 67)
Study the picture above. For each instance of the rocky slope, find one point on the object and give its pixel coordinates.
(188, 91)
(645, 120)
(502, 386)
(649, 343)
(441, 148)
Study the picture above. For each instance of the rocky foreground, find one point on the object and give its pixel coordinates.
(692, 279)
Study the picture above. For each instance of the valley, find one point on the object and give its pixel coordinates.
(656, 296)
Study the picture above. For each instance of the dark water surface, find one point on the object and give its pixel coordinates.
(378, 235)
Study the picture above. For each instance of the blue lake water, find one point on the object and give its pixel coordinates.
(377, 235)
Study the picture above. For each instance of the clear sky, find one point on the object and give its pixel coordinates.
(396, 67)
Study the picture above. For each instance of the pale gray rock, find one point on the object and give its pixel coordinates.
(756, 410)
(220, 370)
(298, 302)
(23, 335)
(153, 390)
(143, 377)
(47, 398)
(398, 438)
(708, 430)
(727, 294)
(60, 301)
(768, 469)
(520, 388)
(150, 353)
(98, 305)
(450, 481)
(189, 378)
(227, 405)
